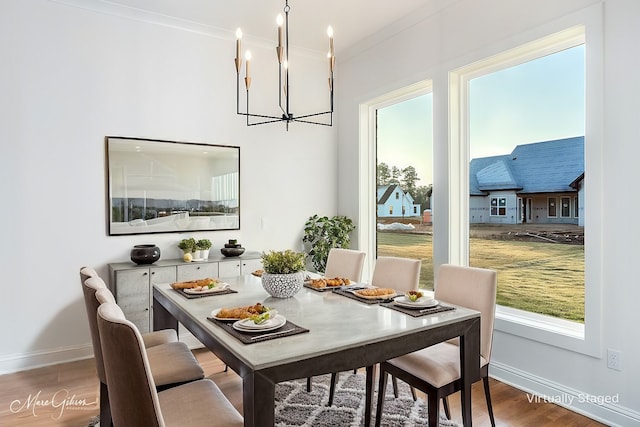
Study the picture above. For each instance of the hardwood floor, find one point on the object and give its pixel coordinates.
(67, 395)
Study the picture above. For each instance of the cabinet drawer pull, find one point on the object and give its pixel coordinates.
(145, 273)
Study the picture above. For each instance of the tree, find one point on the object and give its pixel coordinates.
(409, 179)
(395, 175)
(423, 196)
(383, 174)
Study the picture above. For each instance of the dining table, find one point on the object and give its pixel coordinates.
(325, 332)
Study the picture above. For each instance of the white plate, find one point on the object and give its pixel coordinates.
(219, 287)
(247, 325)
(422, 302)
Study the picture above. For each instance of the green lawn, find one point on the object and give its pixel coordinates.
(545, 278)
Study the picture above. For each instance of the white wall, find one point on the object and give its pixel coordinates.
(72, 75)
(469, 30)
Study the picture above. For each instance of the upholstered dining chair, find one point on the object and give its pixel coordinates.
(401, 274)
(436, 370)
(172, 362)
(150, 338)
(345, 263)
(134, 398)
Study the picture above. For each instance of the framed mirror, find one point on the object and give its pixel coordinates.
(156, 186)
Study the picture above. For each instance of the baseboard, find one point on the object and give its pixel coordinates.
(540, 391)
(37, 359)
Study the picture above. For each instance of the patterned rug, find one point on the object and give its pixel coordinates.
(296, 407)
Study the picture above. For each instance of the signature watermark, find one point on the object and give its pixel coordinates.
(60, 401)
(569, 399)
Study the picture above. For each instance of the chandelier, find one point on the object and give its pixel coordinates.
(282, 54)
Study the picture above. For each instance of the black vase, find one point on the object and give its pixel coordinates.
(145, 254)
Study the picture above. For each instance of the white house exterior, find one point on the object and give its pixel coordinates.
(393, 201)
(541, 183)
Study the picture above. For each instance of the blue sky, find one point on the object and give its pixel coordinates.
(537, 101)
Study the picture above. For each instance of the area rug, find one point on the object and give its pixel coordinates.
(297, 407)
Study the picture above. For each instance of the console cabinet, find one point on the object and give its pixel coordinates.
(132, 285)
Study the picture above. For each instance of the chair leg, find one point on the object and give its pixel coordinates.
(105, 409)
(445, 403)
(382, 390)
(308, 384)
(394, 383)
(332, 387)
(487, 395)
(413, 394)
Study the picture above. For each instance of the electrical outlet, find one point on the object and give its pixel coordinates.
(614, 359)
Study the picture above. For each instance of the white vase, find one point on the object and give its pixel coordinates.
(282, 285)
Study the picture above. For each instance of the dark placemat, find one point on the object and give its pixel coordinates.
(350, 294)
(418, 313)
(289, 328)
(193, 296)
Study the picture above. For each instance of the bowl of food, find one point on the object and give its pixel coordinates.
(413, 296)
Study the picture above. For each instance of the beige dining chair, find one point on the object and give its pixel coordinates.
(436, 370)
(347, 264)
(401, 274)
(134, 398)
(172, 362)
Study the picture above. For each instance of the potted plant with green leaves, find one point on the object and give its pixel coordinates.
(324, 233)
(283, 275)
(203, 246)
(188, 247)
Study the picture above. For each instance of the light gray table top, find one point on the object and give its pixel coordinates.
(335, 322)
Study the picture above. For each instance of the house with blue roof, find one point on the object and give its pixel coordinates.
(393, 201)
(539, 183)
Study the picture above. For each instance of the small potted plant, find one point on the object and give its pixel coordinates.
(283, 273)
(203, 246)
(188, 247)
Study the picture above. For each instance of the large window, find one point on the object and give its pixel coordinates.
(526, 137)
(582, 332)
(404, 182)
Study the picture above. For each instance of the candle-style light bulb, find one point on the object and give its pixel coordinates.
(279, 22)
(247, 77)
(330, 34)
(238, 43)
(247, 57)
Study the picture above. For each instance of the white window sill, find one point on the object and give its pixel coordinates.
(546, 329)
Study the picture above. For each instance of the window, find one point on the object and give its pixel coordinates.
(498, 206)
(551, 207)
(565, 211)
(403, 145)
(527, 322)
(575, 207)
(390, 210)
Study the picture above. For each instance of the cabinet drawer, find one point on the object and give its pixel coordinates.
(229, 268)
(197, 271)
(131, 292)
(250, 265)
